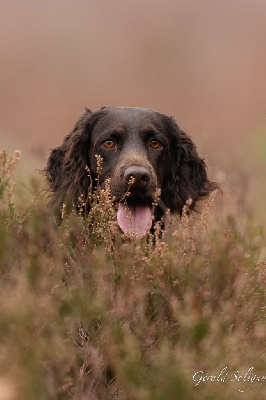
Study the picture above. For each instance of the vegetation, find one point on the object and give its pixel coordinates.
(86, 313)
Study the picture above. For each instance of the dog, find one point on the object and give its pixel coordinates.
(143, 153)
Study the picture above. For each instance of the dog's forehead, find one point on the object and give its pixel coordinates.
(124, 118)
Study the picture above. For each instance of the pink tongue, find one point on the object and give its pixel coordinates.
(134, 219)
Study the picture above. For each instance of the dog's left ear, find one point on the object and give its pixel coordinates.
(188, 175)
(66, 171)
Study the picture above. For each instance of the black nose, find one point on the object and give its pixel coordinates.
(140, 174)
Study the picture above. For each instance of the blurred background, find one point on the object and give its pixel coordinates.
(203, 62)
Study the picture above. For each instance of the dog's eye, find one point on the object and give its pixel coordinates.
(155, 144)
(109, 144)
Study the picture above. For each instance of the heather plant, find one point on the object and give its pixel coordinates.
(7, 184)
(88, 313)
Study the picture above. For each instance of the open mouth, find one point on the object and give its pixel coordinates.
(134, 216)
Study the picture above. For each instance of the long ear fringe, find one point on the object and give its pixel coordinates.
(188, 176)
(66, 171)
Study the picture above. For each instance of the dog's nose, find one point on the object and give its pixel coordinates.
(140, 174)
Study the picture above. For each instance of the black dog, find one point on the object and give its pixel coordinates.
(142, 151)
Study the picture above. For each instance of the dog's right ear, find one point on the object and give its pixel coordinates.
(188, 175)
(67, 167)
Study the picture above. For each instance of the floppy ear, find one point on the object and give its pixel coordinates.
(188, 175)
(66, 171)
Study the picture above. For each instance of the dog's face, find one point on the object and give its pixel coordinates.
(133, 143)
(142, 151)
(134, 147)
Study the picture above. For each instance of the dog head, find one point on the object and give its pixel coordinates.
(142, 153)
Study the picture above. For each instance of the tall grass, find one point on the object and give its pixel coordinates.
(86, 313)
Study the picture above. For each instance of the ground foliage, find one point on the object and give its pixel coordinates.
(87, 313)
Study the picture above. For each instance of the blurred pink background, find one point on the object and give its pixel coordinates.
(202, 61)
